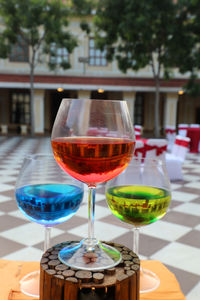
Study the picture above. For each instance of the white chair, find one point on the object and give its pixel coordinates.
(138, 131)
(139, 149)
(174, 160)
(181, 147)
(24, 129)
(156, 148)
(194, 125)
(170, 133)
(4, 129)
(182, 129)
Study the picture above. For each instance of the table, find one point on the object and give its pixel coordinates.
(12, 271)
(194, 135)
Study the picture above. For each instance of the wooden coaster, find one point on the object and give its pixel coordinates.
(60, 282)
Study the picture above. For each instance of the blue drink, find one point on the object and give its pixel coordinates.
(49, 204)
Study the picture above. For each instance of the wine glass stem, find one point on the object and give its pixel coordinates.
(136, 240)
(47, 238)
(91, 213)
(136, 235)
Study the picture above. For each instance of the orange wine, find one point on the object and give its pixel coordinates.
(93, 160)
(138, 204)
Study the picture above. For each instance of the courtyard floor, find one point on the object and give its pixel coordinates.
(174, 240)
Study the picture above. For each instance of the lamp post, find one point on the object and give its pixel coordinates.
(84, 61)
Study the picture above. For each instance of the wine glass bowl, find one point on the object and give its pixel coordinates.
(93, 141)
(140, 195)
(46, 195)
(97, 155)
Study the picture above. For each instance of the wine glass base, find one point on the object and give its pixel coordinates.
(89, 256)
(29, 284)
(149, 281)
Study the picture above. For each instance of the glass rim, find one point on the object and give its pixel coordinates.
(98, 100)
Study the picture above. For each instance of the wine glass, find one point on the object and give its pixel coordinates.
(140, 195)
(48, 196)
(93, 141)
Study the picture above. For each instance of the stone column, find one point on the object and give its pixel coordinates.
(84, 94)
(39, 111)
(170, 110)
(130, 98)
(84, 111)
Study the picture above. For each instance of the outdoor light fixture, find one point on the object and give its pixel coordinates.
(181, 92)
(60, 89)
(100, 91)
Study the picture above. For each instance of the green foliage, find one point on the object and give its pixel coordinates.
(192, 88)
(133, 31)
(85, 26)
(188, 38)
(40, 23)
(82, 7)
(4, 48)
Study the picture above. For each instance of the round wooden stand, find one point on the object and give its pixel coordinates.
(60, 282)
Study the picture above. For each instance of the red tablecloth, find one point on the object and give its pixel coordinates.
(194, 135)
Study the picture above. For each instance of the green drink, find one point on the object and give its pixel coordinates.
(138, 204)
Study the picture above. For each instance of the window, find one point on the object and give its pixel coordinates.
(20, 103)
(58, 55)
(138, 109)
(19, 51)
(96, 56)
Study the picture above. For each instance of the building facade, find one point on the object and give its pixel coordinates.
(90, 76)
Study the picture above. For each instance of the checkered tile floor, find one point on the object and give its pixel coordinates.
(174, 240)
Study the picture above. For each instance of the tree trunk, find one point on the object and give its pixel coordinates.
(157, 108)
(32, 99)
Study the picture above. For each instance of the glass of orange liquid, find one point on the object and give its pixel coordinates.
(93, 141)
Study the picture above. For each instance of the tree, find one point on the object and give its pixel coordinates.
(138, 33)
(42, 25)
(188, 37)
